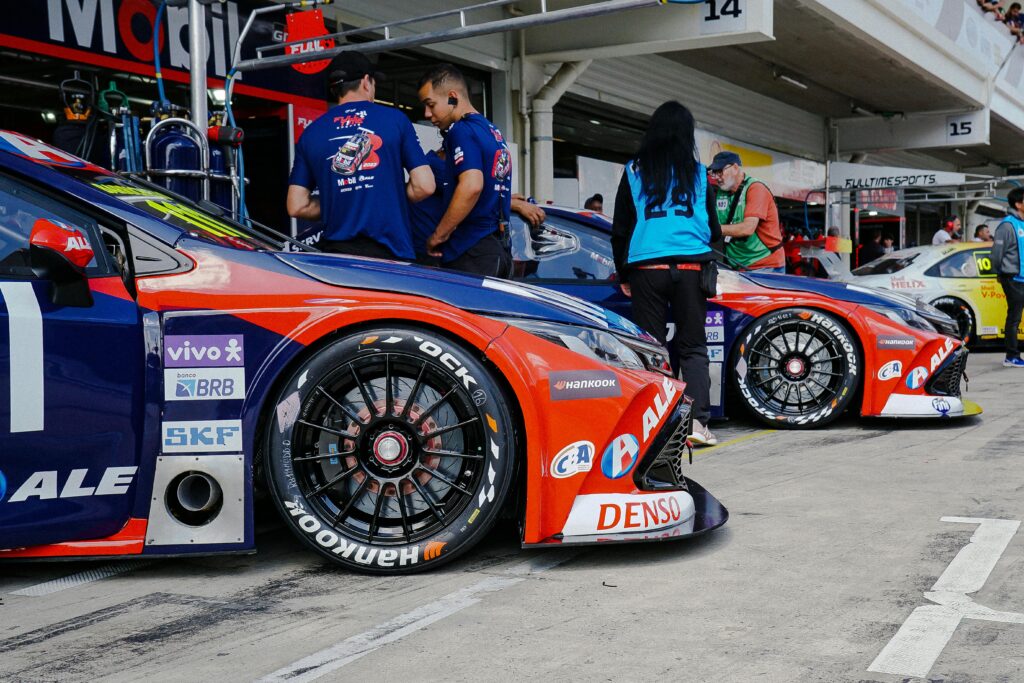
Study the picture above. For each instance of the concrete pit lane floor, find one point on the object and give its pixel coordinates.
(821, 574)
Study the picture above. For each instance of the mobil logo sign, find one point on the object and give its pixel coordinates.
(204, 351)
(628, 513)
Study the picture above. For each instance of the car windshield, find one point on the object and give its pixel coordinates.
(205, 221)
(886, 265)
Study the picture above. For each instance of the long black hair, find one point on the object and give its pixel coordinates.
(668, 155)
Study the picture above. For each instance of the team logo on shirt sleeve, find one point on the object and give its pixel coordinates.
(458, 156)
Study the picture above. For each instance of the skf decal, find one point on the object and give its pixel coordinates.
(917, 377)
(620, 456)
(891, 370)
(573, 459)
(113, 481)
(205, 436)
(566, 386)
(325, 538)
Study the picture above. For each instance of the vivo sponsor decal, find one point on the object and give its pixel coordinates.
(575, 458)
(620, 512)
(204, 351)
(891, 370)
(565, 386)
(51, 485)
(197, 384)
(203, 436)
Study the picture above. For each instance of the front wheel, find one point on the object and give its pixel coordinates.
(390, 450)
(960, 312)
(797, 368)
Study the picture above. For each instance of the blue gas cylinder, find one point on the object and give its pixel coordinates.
(175, 150)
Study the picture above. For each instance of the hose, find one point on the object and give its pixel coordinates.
(156, 52)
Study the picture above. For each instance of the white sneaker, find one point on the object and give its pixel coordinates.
(702, 436)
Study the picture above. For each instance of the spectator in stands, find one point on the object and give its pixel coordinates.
(595, 203)
(872, 249)
(994, 6)
(1015, 21)
(982, 233)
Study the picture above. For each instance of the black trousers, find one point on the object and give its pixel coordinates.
(1014, 305)
(359, 246)
(490, 257)
(653, 291)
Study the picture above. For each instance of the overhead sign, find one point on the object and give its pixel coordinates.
(863, 177)
(655, 29)
(914, 131)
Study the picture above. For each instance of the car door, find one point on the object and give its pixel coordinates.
(989, 297)
(71, 380)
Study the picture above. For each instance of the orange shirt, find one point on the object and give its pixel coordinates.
(760, 204)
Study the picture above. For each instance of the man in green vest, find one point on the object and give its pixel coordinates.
(749, 217)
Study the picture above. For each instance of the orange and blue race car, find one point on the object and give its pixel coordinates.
(159, 361)
(794, 352)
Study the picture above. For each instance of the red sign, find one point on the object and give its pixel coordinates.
(308, 27)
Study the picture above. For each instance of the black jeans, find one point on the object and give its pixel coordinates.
(359, 246)
(652, 293)
(490, 257)
(1014, 305)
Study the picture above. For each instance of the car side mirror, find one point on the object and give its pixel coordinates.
(59, 252)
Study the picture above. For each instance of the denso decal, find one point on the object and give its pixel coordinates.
(619, 512)
(50, 485)
(363, 554)
(575, 458)
(566, 386)
(204, 351)
(655, 412)
(942, 354)
(620, 456)
(885, 341)
(198, 384)
(891, 370)
(203, 436)
(917, 377)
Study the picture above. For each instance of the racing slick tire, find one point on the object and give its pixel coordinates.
(959, 311)
(390, 450)
(797, 368)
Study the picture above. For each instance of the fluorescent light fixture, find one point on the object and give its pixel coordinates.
(812, 203)
(218, 95)
(595, 122)
(872, 213)
(792, 81)
(49, 116)
(857, 109)
(960, 151)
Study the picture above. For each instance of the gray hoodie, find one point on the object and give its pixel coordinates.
(1005, 256)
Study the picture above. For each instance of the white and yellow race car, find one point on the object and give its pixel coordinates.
(958, 279)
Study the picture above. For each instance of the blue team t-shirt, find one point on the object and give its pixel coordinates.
(355, 154)
(426, 214)
(474, 143)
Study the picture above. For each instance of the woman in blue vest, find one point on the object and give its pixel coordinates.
(664, 224)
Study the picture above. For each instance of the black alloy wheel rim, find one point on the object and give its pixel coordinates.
(796, 367)
(390, 449)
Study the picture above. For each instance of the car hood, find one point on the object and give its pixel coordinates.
(841, 291)
(483, 295)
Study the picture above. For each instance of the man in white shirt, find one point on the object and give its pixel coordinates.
(950, 226)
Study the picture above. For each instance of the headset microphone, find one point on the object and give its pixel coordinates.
(453, 101)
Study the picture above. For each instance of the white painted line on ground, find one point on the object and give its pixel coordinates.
(349, 650)
(75, 580)
(922, 637)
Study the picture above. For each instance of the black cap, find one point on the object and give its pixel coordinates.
(351, 66)
(723, 159)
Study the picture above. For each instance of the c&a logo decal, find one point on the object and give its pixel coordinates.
(575, 458)
(620, 456)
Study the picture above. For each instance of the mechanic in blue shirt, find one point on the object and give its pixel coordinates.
(427, 214)
(356, 155)
(473, 233)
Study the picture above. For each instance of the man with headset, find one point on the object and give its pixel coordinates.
(356, 155)
(948, 232)
(473, 234)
